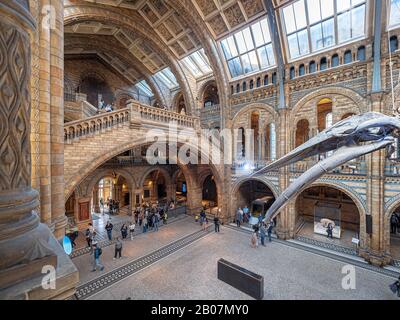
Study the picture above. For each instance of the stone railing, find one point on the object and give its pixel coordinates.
(143, 114)
(210, 111)
(83, 128)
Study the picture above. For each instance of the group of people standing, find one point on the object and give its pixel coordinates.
(261, 231)
(113, 205)
(395, 223)
(242, 216)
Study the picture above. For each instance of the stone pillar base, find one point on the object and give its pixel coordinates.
(284, 234)
(375, 258)
(66, 279)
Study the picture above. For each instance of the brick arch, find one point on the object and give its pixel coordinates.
(117, 17)
(105, 172)
(202, 89)
(331, 93)
(144, 175)
(85, 168)
(358, 201)
(254, 107)
(389, 209)
(274, 189)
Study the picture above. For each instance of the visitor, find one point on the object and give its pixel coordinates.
(88, 238)
(395, 287)
(329, 231)
(239, 217)
(263, 233)
(246, 214)
(102, 203)
(72, 236)
(216, 224)
(254, 240)
(131, 229)
(393, 223)
(202, 216)
(96, 258)
(118, 248)
(165, 217)
(270, 227)
(145, 224)
(205, 224)
(156, 221)
(124, 231)
(109, 228)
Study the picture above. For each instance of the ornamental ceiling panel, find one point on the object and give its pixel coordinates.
(225, 16)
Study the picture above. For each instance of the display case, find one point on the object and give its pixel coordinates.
(326, 213)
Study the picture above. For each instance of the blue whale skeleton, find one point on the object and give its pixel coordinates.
(347, 139)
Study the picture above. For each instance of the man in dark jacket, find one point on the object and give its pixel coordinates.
(269, 230)
(109, 227)
(96, 256)
(393, 223)
(216, 224)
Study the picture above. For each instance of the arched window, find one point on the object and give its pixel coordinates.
(244, 86)
(238, 88)
(292, 73)
(258, 82)
(266, 80)
(251, 84)
(242, 143)
(210, 95)
(302, 70)
(302, 132)
(394, 44)
(347, 57)
(324, 108)
(335, 60)
(328, 120)
(274, 78)
(270, 142)
(232, 90)
(312, 67)
(323, 64)
(361, 53)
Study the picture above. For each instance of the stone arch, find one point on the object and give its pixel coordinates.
(331, 93)
(144, 175)
(74, 13)
(120, 97)
(358, 201)
(254, 107)
(91, 165)
(389, 102)
(390, 207)
(104, 172)
(275, 190)
(202, 90)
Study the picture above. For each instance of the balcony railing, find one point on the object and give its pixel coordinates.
(87, 127)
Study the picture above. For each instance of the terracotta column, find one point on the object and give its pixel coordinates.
(57, 119)
(24, 241)
(372, 248)
(96, 200)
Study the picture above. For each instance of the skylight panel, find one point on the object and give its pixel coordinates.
(311, 25)
(167, 77)
(144, 87)
(394, 16)
(253, 46)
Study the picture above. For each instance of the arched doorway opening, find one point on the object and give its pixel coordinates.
(111, 195)
(210, 95)
(324, 114)
(96, 90)
(394, 230)
(254, 195)
(181, 189)
(318, 206)
(302, 132)
(209, 193)
(255, 127)
(155, 187)
(180, 104)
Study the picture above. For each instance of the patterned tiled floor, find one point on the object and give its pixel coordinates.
(289, 272)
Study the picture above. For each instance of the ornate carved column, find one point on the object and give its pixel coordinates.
(24, 241)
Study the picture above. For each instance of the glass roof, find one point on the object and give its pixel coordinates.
(394, 16)
(313, 25)
(249, 50)
(144, 88)
(166, 77)
(197, 63)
